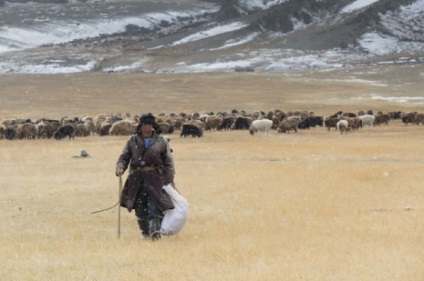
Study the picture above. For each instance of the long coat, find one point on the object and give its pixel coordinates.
(154, 165)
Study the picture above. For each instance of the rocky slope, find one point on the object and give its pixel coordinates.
(294, 33)
(262, 35)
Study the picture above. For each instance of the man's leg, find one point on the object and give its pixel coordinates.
(155, 216)
(140, 208)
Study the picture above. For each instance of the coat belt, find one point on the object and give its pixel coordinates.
(147, 168)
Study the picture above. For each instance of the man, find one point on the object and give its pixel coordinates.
(151, 166)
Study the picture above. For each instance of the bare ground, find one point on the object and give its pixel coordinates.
(323, 92)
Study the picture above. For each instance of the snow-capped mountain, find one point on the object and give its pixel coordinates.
(216, 35)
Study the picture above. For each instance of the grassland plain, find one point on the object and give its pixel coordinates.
(315, 205)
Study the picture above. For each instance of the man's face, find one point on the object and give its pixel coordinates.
(146, 130)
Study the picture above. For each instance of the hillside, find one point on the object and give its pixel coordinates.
(188, 36)
(286, 35)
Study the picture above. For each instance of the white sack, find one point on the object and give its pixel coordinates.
(174, 219)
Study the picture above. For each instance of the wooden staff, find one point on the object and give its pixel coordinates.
(119, 207)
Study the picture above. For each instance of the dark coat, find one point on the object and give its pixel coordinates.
(154, 165)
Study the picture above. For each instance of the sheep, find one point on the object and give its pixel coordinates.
(178, 123)
(9, 122)
(64, 131)
(242, 123)
(286, 125)
(10, 132)
(409, 118)
(382, 119)
(27, 131)
(419, 118)
(227, 123)
(367, 119)
(195, 122)
(343, 126)
(260, 125)
(90, 126)
(213, 122)
(122, 128)
(191, 130)
(104, 128)
(357, 123)
(166, 128)
(331, 122)
(81, 130)
(46, 129)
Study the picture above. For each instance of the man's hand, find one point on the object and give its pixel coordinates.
(119, 172)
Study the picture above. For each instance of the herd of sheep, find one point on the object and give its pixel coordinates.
(195, 124)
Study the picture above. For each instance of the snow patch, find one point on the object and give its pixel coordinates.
(220, 29)
(379, 44)
(251, 5)
(277, 67)
(51, 68)
(236, 42)
(357, 5)
(123, 68)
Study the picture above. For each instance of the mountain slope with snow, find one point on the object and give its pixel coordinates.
(259, 35)
(297, 34)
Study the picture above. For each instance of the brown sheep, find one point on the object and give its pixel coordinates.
(122, 128)
(178, 123)
(81, 130)
(286, 125)
(213, 123)
(331, 123)
(357, 123)
(27, 131)
(409, 118)
(166, 128)
(419, 118)
(381, 119)
(90, 126)
(98, 121)
(275, 122)
(46, 129)
(104, 128)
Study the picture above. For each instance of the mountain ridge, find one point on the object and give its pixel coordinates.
(217, 35)
(301, 25)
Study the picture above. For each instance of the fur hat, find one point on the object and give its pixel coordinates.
(147, 119)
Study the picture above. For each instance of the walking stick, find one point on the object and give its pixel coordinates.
(119, 207)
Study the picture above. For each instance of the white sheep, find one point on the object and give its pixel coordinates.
(367, 119)
(342, 126)
(263, 125)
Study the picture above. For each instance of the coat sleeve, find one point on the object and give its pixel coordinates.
(125, 157)
(168, 164)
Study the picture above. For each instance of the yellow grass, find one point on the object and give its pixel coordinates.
(315, 205)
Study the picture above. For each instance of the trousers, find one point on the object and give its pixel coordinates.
(149, 216)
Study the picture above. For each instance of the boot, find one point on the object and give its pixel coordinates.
(154, 228)
(144, 227)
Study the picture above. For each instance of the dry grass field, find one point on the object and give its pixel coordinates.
(315, 205)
